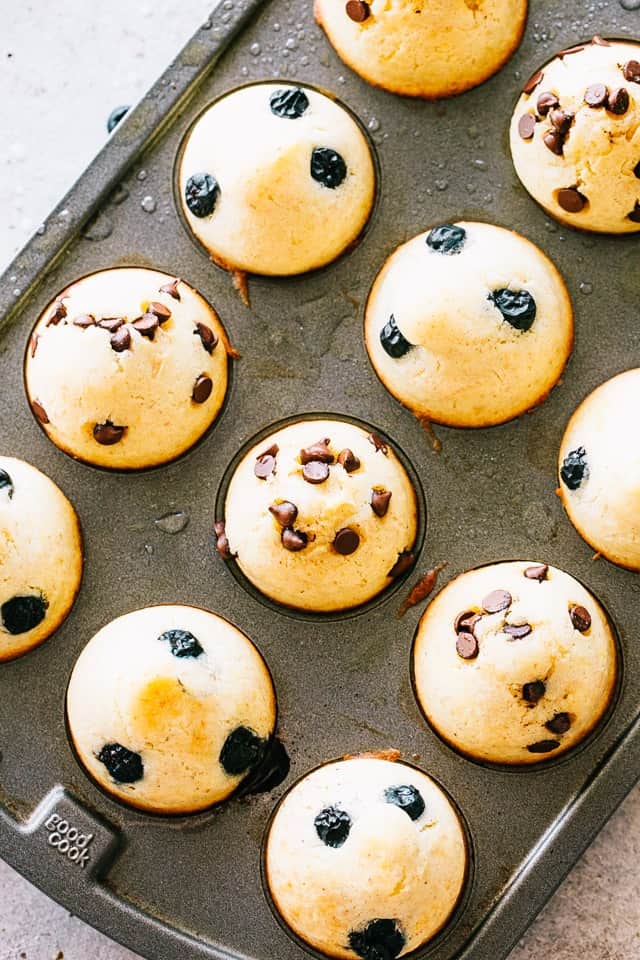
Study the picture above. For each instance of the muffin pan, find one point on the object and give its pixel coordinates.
(191, 887)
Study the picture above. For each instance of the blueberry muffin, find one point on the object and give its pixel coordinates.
(365, 857)
(599, 469)
(276, 179)
(40, 557)
(469, 325)
(423, 48)
(320, 515)
(575, 136)
(514, 662)
(126, 368)
(169, 708)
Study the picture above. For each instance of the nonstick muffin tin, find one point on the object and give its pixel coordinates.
(191, 887)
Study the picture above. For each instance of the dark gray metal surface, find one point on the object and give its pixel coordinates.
(190, 887)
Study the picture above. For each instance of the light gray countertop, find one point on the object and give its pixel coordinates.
(63, 67)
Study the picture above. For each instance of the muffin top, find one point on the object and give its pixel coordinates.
(599, 469)
(126, 368)
(575, 136)
(365, 857)
(321, 515)
(514, 662)
(423, 48)
(276, 179)
(469, 324)
(169, 708)
(40, 557)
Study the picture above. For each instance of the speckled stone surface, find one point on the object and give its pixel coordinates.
(52, 94)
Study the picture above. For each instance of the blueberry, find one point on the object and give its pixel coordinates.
(124, 765)
(332, 826)
(574, 468)
(21, 614)
(447, 239)
(6, 483)
(407, 798)
(328, 167)
(379, 940)
(392, 340)
(182, 643)
(201, 194)
(516, 306)
(241, 750)
(289, 104)
(116, 116)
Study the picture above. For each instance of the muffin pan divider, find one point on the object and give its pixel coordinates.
(190, 887)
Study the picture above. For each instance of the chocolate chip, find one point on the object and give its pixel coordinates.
(380, 501)
(315, 471)
(146, 325)
(565, 53)
(405, 561)
(533, 691)
(222, 543)
(285, 512)
(526, 126)
(532, 82)
(571, 200)
(596, 95)
(554, 141)
(618, 101)
(171, 288)
(496, 601)
(559, 723)
(348, 460)
(378, 443)
(207, 336)
(546, 101)
(466, 621)
(110, 323)
(543, 746)
(467, 646)
(108, 433)
(580, 617)
(631, 71)
(120, 340)
(561, 121)
(40, 412)
(58, 313)
(537, 572)
(634, 216)
(265, 463)
(84, 320)
(517, 631)
(317, 451)
(357, 10)
(160, 311)
(202, 389)
(6, 483)
(346, 541)
(294, 540)
(33, 343)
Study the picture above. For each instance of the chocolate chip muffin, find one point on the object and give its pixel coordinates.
(126, 368)
(276, 179)
(575, 136)
(169, 708)
(320, 515)
(40, 557)
(514, 662)
(365, 857)
(423, 48)
(469, 325)
(599, 469)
